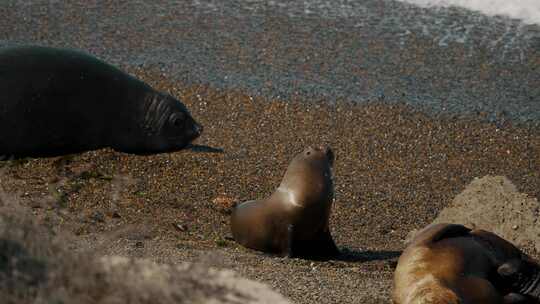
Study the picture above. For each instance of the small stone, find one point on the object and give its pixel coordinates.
(35, 205)
(139, 244)
(224, 203)
(180, 227)
(79, 230)
(97, 217)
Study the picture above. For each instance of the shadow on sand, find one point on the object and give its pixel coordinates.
(347, 255)
(206, 149)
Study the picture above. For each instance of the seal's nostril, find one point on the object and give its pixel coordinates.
(198, 129)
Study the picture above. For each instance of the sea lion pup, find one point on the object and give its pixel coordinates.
(451, 264)
(60, 101)
(293, 220)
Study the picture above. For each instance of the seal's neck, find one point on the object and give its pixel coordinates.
(289, 196)
(155, 113)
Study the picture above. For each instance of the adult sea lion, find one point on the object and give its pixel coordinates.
(293, 220)
(451, 264)
(59, 101)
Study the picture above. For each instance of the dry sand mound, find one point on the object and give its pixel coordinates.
(227, 286)
(494, 204)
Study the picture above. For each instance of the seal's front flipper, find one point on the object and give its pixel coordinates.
(320, 248)
(437, 232)
(325, 245)
(284, 243)
(288, 250)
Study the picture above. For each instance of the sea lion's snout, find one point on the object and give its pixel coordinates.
(194, 130)
(329, 154)
(321, 152)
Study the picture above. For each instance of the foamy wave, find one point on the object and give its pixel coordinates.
(526, 10)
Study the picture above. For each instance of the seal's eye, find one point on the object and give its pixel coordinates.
(177, 120)
(308, 153)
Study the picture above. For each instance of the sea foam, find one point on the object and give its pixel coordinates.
(528, 11)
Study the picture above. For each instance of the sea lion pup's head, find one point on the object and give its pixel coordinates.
(167, 124)
(308, 179)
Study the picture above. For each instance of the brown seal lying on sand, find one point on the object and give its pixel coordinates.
(60, 101)
(293, 221)
(448, 263)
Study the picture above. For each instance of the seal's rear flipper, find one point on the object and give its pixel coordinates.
(437, 232)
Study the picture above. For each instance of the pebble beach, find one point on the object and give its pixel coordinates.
(413, 108)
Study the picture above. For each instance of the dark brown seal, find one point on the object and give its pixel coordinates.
(293, 220)
(448, 263)
(60, 101)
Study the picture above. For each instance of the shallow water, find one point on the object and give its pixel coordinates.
(443, 60)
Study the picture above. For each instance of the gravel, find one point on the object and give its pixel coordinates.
(395, 170)
(493, 203)
(415, 104)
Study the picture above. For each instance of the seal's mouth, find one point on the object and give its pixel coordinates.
(194, 133)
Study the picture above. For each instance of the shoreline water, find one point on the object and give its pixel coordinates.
(527, 11)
